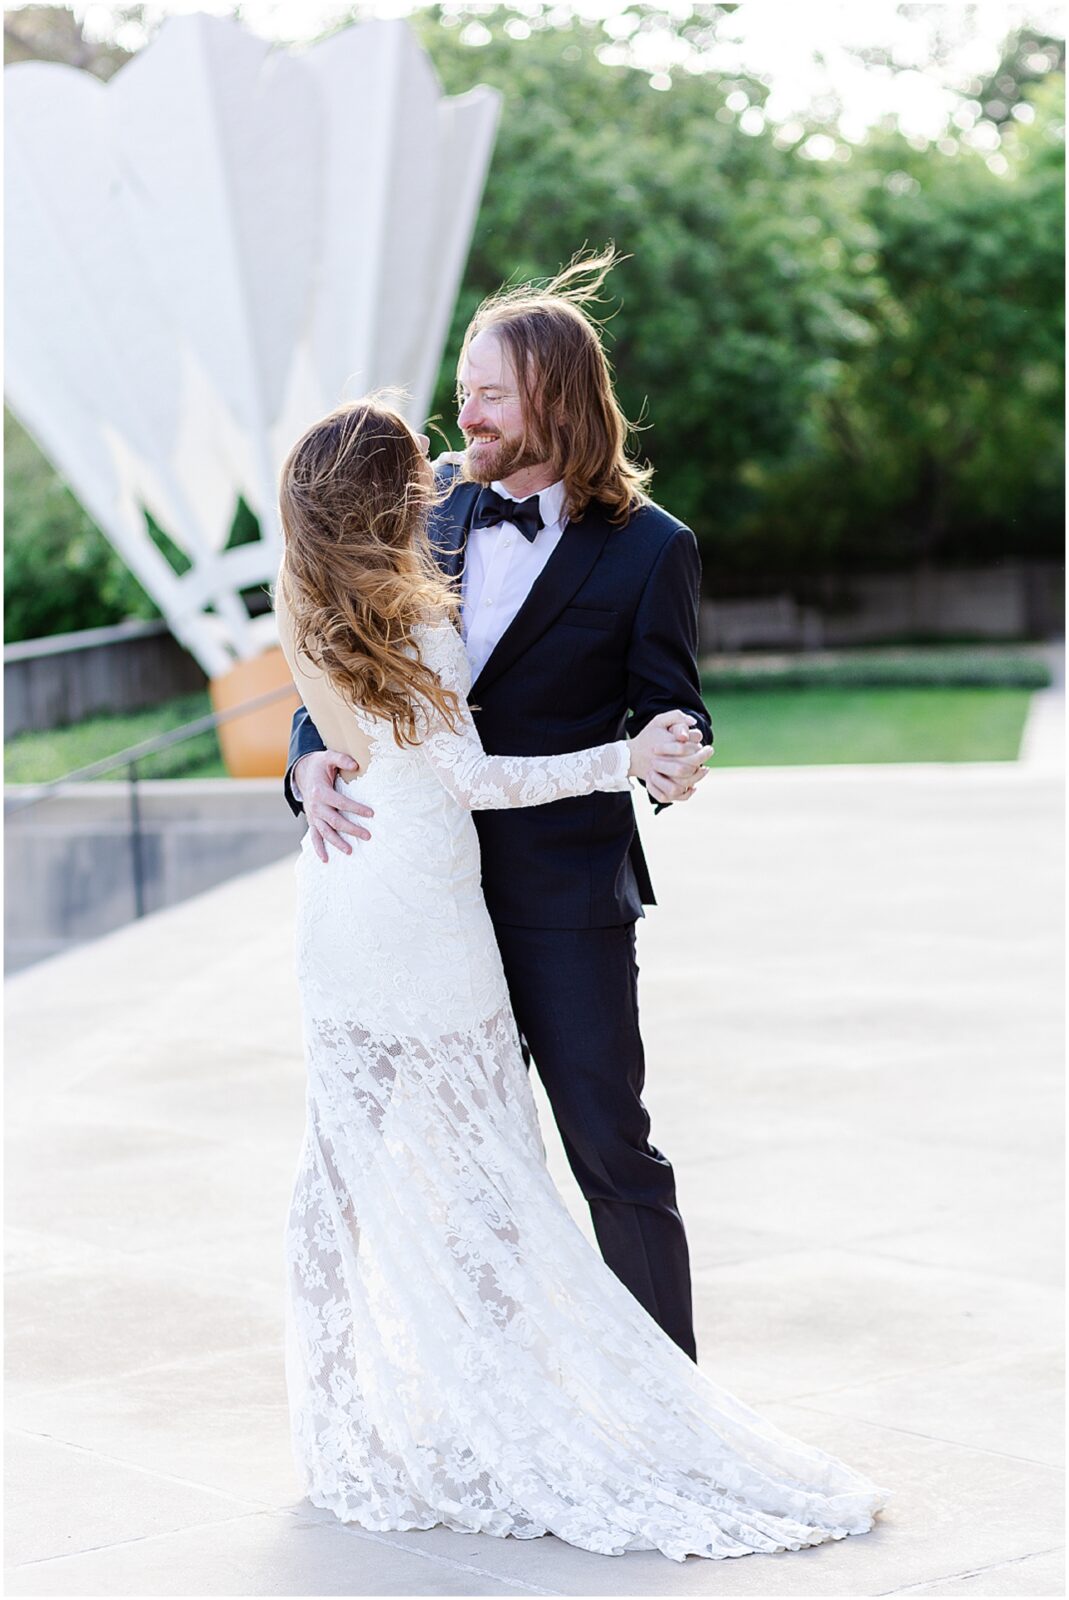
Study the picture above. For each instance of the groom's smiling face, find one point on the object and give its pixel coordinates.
(491, 412)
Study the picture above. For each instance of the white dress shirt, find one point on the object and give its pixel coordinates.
(500, 568)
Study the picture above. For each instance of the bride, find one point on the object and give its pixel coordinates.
(456, 1352)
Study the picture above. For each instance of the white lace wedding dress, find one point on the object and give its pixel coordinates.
(457, 1353)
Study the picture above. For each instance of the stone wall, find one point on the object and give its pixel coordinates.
(51, 683)
(1014, 600)
(70, 874)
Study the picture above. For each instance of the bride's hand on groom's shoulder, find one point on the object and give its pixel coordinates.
(669, 757)
(330, 815)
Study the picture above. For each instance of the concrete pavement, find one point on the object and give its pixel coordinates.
(1043, 739)
(851, 1004)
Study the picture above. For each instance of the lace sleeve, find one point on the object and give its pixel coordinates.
(486, 783)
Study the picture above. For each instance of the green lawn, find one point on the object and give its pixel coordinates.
(36, 757)
(754, 727)
(809, 727)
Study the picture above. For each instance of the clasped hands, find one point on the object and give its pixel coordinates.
(668, 755)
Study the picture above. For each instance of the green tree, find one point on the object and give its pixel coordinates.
(54, 33)
(60, 573)
(735, 297)
(1028, 58)
(943, 439)
(834, 362)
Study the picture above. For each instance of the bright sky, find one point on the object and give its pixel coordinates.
(802, 50)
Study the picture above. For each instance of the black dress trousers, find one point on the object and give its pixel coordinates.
(574, 992)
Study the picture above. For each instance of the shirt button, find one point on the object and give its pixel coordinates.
(489, 602)
(507, 543)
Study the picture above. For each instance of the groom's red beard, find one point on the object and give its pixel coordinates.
(490, 463)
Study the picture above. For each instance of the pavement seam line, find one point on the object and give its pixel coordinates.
(146, 1472)
(35, 1392)
(998, 1277)
(937, 1438)
(444, 1561)
(141, 1538)
(940, 1367)
(976, 1572)
(911, 1372)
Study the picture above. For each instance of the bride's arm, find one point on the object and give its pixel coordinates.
(485, 783)
(482, 782)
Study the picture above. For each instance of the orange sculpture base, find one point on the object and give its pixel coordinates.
(254, 745)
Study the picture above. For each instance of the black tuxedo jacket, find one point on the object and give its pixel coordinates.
(606, 639)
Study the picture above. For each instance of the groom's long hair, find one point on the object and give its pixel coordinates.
(573, 418)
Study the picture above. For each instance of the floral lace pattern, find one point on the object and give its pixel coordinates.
(457, 1353)
(482, 783)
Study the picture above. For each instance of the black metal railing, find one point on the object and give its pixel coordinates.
(129, 760)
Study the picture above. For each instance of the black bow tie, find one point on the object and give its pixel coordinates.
(492, 508)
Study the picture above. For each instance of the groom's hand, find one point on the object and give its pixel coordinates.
(669, 757)
(330, 815)
(673, 782)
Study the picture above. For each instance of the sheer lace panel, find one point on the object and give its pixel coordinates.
(481, 782)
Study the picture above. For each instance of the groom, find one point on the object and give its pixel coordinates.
(580, 602)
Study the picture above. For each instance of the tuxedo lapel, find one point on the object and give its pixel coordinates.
(566, 570)
(449, 529)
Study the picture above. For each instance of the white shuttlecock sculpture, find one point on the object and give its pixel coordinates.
(207, 253)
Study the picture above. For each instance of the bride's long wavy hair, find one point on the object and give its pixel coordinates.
(358, 572)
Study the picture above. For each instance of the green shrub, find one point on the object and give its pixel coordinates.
(40, 757)
(917, 670)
